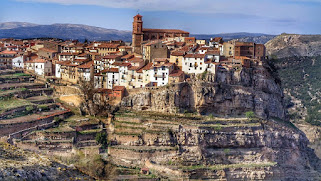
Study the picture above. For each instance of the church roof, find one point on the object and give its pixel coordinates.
(163, 31)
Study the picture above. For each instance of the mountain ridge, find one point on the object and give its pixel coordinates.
(79, 31)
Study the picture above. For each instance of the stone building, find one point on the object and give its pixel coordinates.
(249, 49)
(154, 49)
(141, 34)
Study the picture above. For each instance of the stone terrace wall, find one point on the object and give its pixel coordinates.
(6, 129)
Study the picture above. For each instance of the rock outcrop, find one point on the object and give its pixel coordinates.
(289, 45)
(232, 149)
(227, 93)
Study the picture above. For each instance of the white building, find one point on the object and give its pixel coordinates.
(194, 63)
(43, 67)
(123, 72)
(29, 65)
(113, 78)
(84, 71)
(159, 74)
(58, 69)
(18, 62)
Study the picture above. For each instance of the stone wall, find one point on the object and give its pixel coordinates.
(66, 90)
(7, 129)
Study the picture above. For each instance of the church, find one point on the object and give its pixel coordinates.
(141, 34)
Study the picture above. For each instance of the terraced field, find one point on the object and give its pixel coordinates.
(26, 105)
(180, 146)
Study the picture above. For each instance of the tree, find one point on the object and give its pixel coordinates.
(89, 105)
(101, 138)
(250, 114)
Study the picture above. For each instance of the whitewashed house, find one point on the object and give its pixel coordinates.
(194, 63)
(43, 67)
(84, 71)
(18, 62)
(159, 73)
(113, 78)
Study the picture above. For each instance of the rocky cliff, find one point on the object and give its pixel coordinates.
(289, 45)
(227, 93)
(17, 164)
(199, 147)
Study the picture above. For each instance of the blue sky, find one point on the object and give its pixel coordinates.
(195, 16)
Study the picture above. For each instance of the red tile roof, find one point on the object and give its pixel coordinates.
(135, 60)
(164, 31)
(127, 56)
(178, 53)
(148, 66)
(109, 45)
(176, 73)
(160, 60)
(119, 88)
(7, 52)
(111, 70)
(48, 50)
(40, 61)
(111, 56)
(68, 53)
(121, 64)
(86, 65)
(63, 62)
(194, 56)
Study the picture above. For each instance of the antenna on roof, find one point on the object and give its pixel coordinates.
(137, 11)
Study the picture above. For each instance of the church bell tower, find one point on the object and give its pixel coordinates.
(137, 36)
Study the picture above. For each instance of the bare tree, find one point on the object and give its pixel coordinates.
(90, 105)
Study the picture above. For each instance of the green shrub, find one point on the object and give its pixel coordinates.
(101, 138)
(204, 74)
(29, 108)
(43, 107)
(250, 114)
(57, 119)
(226, 151)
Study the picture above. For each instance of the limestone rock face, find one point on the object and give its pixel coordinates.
(289, 45)
(235, 149)
(226, 93)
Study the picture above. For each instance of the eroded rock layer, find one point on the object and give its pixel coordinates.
(226, 93)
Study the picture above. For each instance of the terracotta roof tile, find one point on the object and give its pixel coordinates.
(119, 88)
(194, 56)
(86, 65)
(176, 73)
(164, 31)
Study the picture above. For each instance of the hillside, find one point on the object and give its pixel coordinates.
(17, 164)
(63, 31)
(241, 36)
(289, 45)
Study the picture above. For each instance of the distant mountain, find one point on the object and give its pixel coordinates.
(289, 45)
(81, 32)
(63, 31)
(11, 25)
(241, 36)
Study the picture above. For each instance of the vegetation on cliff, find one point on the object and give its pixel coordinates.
(301, 81)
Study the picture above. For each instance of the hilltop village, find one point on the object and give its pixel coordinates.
(156, 57)
(164, 106)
